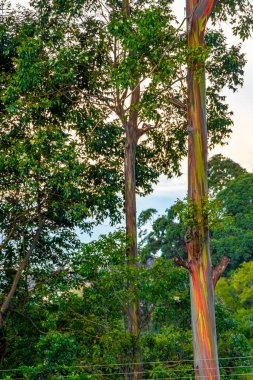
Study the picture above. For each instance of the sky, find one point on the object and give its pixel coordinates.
(239, 147)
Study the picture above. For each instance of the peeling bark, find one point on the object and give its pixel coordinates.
(182, 263)
(201, 275)
(220, 269)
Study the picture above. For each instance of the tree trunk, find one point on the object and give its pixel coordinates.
(201, 274)
(132, 252)
(130, 210)
(4, 307)
(132, 135)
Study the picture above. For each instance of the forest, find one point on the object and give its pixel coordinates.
(98, 100)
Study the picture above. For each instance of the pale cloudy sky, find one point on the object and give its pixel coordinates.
(239, 146)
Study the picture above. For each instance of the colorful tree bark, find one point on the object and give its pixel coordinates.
(201, 273)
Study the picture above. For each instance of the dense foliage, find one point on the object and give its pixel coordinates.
(230, 220)
(73, 323)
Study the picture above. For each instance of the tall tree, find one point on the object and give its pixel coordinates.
(49, 186)
(202, 277)
(132, 136)
(118, 58)
(198, 244)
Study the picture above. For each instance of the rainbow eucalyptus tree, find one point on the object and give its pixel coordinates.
(198, 244)
(203, 277)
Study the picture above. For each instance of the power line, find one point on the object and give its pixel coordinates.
(155, 372)
(169, 361)
(161, 362)
(190, 377)
(174, 370)
(181, 377)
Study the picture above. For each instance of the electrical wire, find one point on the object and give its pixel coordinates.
(154, 372)
(164, 361)
(174, 370)
(176, 378)
(161, 362)
(190, 377)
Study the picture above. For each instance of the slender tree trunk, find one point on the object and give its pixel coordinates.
(3, 344)
(131, 233)
(130, 211)
(4, 307)
(134, 315)
(132, 135)
(201, 274)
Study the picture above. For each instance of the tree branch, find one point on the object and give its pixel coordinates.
(28, 318)
(20, 270)
(220, 269)
(147, 316)
(144, 129)
(182, 263)
(126, 7)
(8, 238)
(178, 103)
(157, 64)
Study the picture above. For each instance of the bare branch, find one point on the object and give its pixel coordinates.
(8, 238)
(220, 269)
(178, 103)
(144, 129)
(20, 270)
(28, 318)
(182, 263)
(147, 316)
